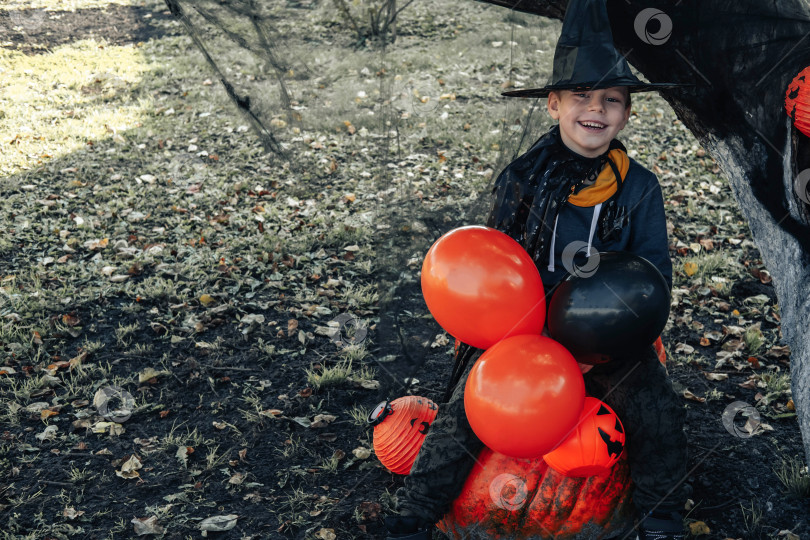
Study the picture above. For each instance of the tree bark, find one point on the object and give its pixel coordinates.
(741, 55)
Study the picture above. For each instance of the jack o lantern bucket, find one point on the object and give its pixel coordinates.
(594, 445)
(400, 427)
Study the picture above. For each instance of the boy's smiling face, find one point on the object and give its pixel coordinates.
(574, 108)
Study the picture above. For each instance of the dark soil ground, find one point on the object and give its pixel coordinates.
(261, 464)
(36, 31)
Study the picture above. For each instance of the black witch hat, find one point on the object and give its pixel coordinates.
(585, 56)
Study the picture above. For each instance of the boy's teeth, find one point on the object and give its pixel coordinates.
(588, 124)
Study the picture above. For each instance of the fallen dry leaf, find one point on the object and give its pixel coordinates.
(129, 469)
(97, 244)
(778, 352)
(683, 348)
(47, 413)
(71, 513)
(218, 523)
(77, 360)
(690, 268)
(322, 420)
(182, 455)
(236, 479)
(755, 427)
(326, 534)
(48, 434)
(698, 527)
(151, 373)
(145, 526)
(361, 452)
(716, 376)
(369, 510)
(788, 534)
(689, 395)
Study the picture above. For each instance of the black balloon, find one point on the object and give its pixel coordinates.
(619, 309)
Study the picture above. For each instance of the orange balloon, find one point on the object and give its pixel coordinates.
(399, 430)
(595, 444)
(481, 286)
(524, 395)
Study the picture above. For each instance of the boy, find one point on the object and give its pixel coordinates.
(576, 192)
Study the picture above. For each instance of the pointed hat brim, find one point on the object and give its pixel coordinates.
(636, 87)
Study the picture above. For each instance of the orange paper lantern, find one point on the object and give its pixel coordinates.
(595, 444)
(797, 101)
(400, 427)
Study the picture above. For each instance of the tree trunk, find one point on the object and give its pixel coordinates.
(741, 55)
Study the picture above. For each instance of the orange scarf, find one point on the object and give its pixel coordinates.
(605, 185)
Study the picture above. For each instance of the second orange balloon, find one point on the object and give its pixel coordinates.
(524, 396)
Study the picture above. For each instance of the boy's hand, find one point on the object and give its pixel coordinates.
(406, 528)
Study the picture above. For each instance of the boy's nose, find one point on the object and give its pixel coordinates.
(595, 103)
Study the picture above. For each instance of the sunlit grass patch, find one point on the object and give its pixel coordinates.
(66, 5)
(54, 104)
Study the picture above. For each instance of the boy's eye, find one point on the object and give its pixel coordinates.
(610, 98)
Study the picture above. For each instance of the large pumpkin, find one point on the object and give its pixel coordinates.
(509, 498)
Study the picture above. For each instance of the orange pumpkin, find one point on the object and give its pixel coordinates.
(510, 498)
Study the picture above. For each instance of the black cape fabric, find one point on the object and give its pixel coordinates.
(530, 191)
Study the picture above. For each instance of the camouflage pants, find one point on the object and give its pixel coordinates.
(637, 388)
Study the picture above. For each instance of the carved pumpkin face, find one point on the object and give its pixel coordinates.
(797, 101)
(399, 430)
(595, 444)
(510, 498)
